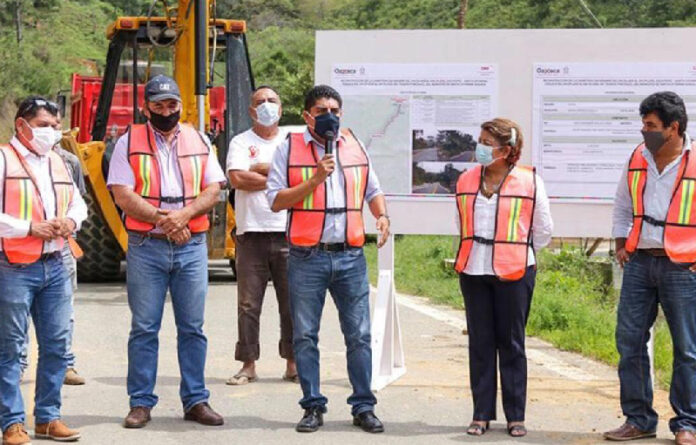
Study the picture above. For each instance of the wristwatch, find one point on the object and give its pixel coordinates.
(385, 216)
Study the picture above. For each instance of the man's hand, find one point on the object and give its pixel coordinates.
(44, 230)
(692, 268)
(324, 168)
(174, 221)
(622, 256)
(261, 168)
(181, 237)
(383, 229)
(63, 227)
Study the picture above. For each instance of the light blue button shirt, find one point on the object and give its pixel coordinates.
(656, 199)
(335, 224)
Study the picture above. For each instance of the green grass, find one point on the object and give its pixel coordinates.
(574, 304)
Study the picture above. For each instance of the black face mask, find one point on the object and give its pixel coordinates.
(164, 123)
(326, 122)
(654, 140)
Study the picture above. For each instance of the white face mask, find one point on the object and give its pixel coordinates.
(268, 114)
(43, 139)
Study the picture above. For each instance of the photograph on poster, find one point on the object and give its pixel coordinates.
(439, 156)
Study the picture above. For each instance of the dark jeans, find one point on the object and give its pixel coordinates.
(648, 280)
(496, 316)
(311, 273)
(260, 256)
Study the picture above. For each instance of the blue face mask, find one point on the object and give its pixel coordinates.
(326, 122)
(484, 154)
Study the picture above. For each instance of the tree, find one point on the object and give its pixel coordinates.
(461, 17)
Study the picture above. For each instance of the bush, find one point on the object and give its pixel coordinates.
(573, 307)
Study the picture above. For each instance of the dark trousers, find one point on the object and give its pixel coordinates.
(496, 316)
(260, 256)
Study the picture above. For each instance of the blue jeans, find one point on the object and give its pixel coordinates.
(70, 288)
(39, 289)
(648, 280)
(311, 272)
(153, 267)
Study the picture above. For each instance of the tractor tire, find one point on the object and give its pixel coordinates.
(102, 259)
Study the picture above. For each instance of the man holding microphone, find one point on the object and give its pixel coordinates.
(324, 195)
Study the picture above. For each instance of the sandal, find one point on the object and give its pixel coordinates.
(517, 430)
(291, 378)
(477, 429)
(241, 378)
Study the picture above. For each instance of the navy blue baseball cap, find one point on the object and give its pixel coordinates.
(161, 87)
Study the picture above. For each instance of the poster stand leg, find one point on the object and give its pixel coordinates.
(388, 362)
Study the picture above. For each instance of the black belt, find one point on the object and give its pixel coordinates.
(334, 247)
(654, 252)
(486, 241)
(172, 199)
(652, 221)
(335, 210)
(46, 256)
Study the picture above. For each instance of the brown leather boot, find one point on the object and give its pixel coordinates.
(204, 414)
(73, 378)
(137, 417)
(15, 434)
(628, 432)
(56, 430)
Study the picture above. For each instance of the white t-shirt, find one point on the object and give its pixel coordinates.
(252, 211)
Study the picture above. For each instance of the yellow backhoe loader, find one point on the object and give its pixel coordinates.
(188, 42)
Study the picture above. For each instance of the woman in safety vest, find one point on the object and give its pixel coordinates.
(503, 217)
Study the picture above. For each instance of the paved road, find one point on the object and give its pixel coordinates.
(570, 399)
(426, 154)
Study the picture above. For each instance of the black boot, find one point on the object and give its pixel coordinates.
(368, 422)
(311, 421)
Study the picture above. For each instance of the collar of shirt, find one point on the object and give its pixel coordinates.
(24, 151)
(309, 138)
(161, 140)
(651, 161)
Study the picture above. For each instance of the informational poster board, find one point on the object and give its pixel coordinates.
(514, 53)
(422, 120)
(586, 125)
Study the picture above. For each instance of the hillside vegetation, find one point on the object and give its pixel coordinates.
(43, 41)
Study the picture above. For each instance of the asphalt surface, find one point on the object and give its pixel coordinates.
(570, 399)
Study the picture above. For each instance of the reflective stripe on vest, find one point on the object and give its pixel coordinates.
(513, 227)
(679, 235)
(306, 218)
(637, 178)
(22, 200)
(192, 156)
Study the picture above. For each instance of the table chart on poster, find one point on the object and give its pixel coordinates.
(586, 121)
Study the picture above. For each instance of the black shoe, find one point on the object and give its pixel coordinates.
(368, 422)
(311, 421)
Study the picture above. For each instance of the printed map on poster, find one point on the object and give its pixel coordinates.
(419, 122)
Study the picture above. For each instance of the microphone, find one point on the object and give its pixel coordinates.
(330, 137)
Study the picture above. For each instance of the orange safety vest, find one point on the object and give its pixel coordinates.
(192, 155)
(306, 218)
(22, 200)
(513, 226)
(679, 236)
